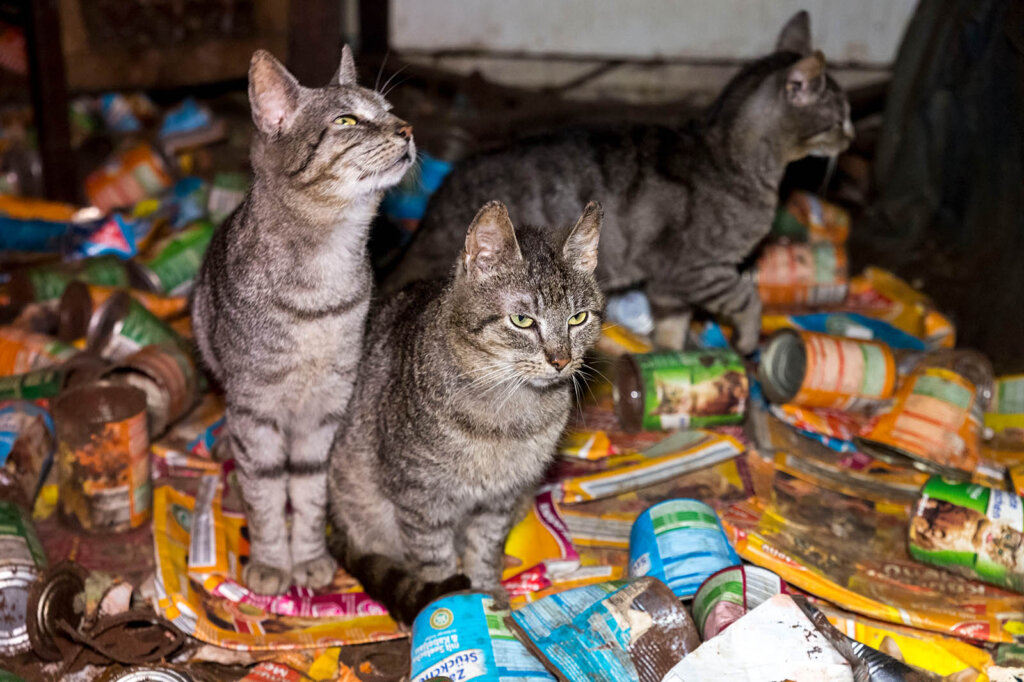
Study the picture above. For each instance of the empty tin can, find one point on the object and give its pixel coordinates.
(22, 560)
(727, 595)
(81, 300)
(802, 274)
(175, 266)
(122, 326)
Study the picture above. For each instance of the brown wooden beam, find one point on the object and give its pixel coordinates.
(50, 99)
(314, 40)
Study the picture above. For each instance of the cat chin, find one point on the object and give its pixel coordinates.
(549, 382)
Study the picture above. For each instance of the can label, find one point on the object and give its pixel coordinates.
(934, 418)
(727, 595)
(18, 541)
(802, 274)
(42, 383)
(48, 284)
(176, 265)
(1006, 414)
(462, 637)
(971, 530)
(682, 543)
(140, 328)
(845, 373)
(701, 388)
(22, 351)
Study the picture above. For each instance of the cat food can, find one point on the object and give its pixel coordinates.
(971, 530)
(103, 457)
(819, 370)
(47, 283)
(80, 300)
(49, 381)
(166, 376)
(122, 326)
(23, 351)
(680, 389)
(22, 560)
(463, 637)
(727, 595)
(175, 266)
(802, 274)
(681, 542)
(809, 218)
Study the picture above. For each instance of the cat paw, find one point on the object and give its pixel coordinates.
(315, 573)
(265, 579)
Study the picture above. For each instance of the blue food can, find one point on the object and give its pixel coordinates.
(463, 637)
(682, 542)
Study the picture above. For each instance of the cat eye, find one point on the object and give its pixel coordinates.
(346, 120)
(578, 319)
(521, 321)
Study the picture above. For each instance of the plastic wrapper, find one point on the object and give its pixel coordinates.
(880, 294)
(849, 324)
(540, 543)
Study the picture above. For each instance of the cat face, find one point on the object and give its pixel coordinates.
(523, 312)
(788, 99)
(335, 142)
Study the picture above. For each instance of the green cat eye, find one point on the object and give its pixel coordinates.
(578, 319)
(346, 120)
(521, 321)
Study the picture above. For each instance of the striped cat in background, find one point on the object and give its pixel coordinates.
(281, 300)
(684, 206)
(465, 388)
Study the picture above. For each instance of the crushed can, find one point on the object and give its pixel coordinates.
(727, 595)
(680, 389)
(813, 274)
(103, 457)
(463, 637)
(820, 370)
(971, 530)
(682, 542)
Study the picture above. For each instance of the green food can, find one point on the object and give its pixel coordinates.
(47, 283)
(177, 262)
(122, 326)
(680, 389)
(971, 530)
(49, 381)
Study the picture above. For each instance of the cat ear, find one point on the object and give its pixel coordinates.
(273, 94)
(795, 36)
(805, 80)
(346, 73)
(491, 240)
(580, 248)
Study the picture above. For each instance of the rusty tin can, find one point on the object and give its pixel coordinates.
(802, 274)
(103, 457)
(167, 377)
(22, 560)
(80, 301)
(48, 282)
(819, 370)
(52, 601)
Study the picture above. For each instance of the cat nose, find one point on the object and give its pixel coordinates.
(557, 362)
(405, 132)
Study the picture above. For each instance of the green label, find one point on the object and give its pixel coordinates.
(144, 328)
(677, 514)
(1009, 396)
(788, 225)
(43, 383)
(941, 389)
(726, 586)
(14, 523)
(826, 263)
(875, 371)
(693, 388)
(49, 283)
(178, 262)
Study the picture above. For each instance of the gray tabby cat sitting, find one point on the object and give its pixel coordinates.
(685, 207)
(281, 301)
(465, 388)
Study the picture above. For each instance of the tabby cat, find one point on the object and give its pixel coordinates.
(465, 388)
(281, 301)
(684, 206)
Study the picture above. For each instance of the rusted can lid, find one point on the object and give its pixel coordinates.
(15, 582)
(74, 312)
(52, 601)
(165, 366)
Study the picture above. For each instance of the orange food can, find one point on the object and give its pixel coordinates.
(103, 457)
(802, 274)
(22, 351)
(819, 370)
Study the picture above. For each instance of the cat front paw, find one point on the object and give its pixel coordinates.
(315, 573)
(265, 579)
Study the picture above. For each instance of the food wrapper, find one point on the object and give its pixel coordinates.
(880, 294)
(540, 543)
(853, 553)
(849, 324)
(616, 340)
(200, 553)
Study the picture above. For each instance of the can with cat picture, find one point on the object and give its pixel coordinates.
(673, 389)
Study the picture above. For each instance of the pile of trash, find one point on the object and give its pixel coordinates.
(852, 489)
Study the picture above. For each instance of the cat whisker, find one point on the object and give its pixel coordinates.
(384, 88)
(380, 71)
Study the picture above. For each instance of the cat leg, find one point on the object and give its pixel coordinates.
(484, 558)
(671, 321)
(723, 291)
(312, 566)
(428, 538)
(258, 444)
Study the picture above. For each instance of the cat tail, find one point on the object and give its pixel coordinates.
(390, 582)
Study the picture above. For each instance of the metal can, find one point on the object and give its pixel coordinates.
(809, 218)
(22, 351)
(167, 377)
(936, 419)
(103, 457)
(47, 283)
(144, 673)
(52, 600)
(673, 389)
(727, 595)
(971, 530)
(462, 636)
(680, 541)
(122, 326)
(49, 381)
(22, 560)
(80, 301)
(819, 370)
(802, 274)
(175, 266)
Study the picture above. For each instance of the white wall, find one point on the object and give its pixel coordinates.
(865, 32)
